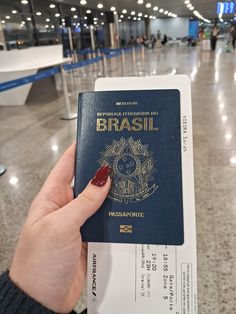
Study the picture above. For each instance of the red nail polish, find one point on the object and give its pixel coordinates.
(101, 176)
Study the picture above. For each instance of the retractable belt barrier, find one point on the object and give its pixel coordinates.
(109, 53)
(81, 64)
(44, 74)
(28, 79)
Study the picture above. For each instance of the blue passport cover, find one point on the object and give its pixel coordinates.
(138, 134)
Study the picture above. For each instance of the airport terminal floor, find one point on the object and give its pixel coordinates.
(33, 137)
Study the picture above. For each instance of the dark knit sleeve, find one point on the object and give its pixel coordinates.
(15, 301)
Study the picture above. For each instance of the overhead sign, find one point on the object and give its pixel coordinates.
(226, 7)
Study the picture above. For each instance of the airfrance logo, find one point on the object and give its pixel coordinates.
(94, 275)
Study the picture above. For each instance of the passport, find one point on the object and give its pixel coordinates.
(138, 134)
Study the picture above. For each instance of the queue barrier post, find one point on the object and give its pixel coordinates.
(68, 115)
(100, 63)
(123, 61)
(105, 65)
(143, 52)
(133, 59)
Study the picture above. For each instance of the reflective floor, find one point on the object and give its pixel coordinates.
(32, 138)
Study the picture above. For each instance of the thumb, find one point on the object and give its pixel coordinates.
(90, 200)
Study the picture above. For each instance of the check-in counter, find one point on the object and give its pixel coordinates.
(17, 64)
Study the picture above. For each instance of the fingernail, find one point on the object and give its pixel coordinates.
(101, 176)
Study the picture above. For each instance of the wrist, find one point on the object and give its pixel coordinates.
(14, 299)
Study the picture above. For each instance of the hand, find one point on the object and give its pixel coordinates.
(50, 262)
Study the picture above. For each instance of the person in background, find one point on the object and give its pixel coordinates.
(50, 263)
(137, 41)
(201, 34)
(164, 41)
(233, 36)
(144, 40)
(158, 39)
(153, 41)
(214, 35)
(131, 41)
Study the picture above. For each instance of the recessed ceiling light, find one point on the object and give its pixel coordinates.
(129, 17)
(38, 13)
(24, 1)
(23, 22)
(161, 10)
(47, 26)
(132, 13)
(121, 16)
(102, 13)
(140, 1)
(228, 136)
(233, 160)
(13, 180)
(7, 17)
(155, 8)
(224, 118)
(57, 14)
(124, 11)
(102, 23)
(100, 6)
(112, 8)
(166, 12)
(187, 1)
(85, 18)
(148, 5)
(146, 15)
(3, 22)
(139, 18)
(52, 26)
(88, 11)
(75, 16)
(83, 2)
(28, 19)
(134, 18)
(52, 6)
(13, 11)
(140, 14)
(73, 9)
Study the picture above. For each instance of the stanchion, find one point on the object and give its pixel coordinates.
(123, 61)
(3, 169)
(100, 64)
(133, 59)
(68, 115)
(142, 53)
(105, 65)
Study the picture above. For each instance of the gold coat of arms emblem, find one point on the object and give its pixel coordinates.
(133, 168)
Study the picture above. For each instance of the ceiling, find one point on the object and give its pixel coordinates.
(207, 8)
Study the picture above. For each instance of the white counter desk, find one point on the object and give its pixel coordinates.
(15, 64)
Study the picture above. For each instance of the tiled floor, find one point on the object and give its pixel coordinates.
(32, 137)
